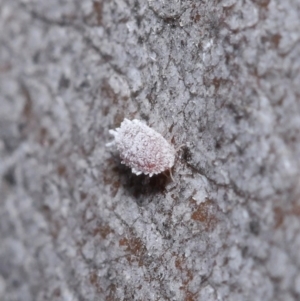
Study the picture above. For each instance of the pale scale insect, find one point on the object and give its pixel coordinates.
(142, 149)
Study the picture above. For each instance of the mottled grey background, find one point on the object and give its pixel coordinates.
(222, 78)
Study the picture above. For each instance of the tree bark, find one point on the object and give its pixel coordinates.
(220, 80)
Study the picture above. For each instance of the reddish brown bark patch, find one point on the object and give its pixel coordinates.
(204, 214)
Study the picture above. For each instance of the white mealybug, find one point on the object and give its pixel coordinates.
(142, 148)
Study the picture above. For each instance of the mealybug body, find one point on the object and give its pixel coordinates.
(142, 149)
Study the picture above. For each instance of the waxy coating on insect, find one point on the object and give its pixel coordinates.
(142, 149)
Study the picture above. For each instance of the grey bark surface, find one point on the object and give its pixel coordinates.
(221, 78)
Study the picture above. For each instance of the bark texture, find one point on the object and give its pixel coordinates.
(221, 78)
